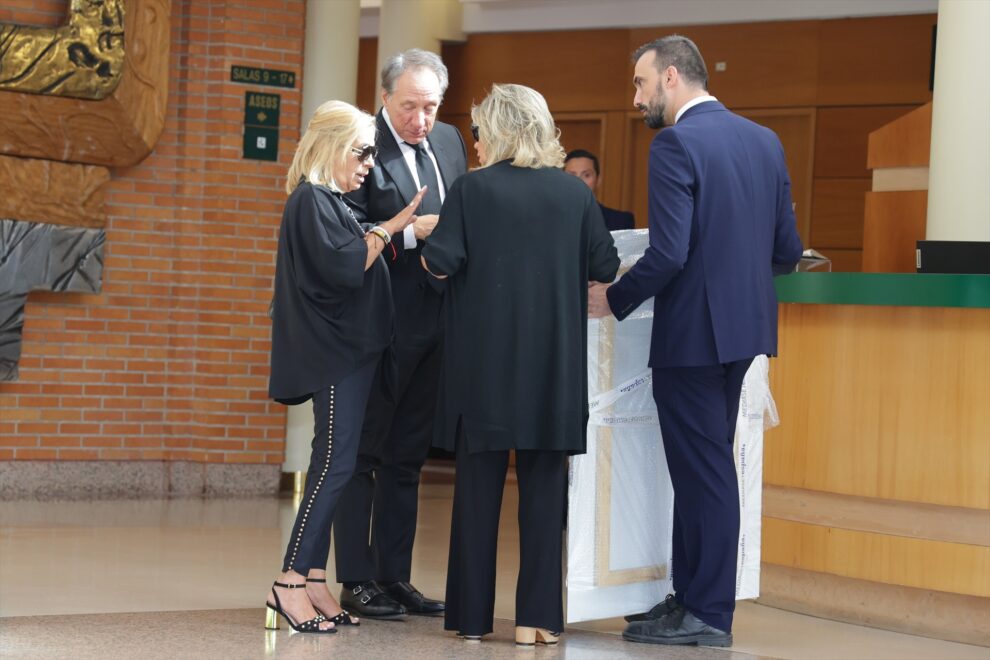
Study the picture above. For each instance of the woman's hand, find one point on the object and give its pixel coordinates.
(405, 217)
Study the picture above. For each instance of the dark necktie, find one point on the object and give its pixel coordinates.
(427, 174)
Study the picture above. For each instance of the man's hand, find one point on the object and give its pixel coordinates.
(424, 225)
(597, 302)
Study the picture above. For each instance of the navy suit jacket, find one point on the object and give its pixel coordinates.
(615, 220)
(721, 224)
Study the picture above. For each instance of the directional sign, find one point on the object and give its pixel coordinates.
(261, 112)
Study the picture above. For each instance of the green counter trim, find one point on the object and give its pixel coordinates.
(885, 289)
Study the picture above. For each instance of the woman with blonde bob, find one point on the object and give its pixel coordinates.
(518, 241)
(331, 323)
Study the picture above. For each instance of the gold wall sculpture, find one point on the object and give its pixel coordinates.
(82, 59)
(118, 129)
(77, 99)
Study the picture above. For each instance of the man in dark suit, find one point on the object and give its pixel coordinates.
(584, 165)
(721, 225)
(380, 503)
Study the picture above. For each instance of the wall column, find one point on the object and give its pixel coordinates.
(958, 199)
(329, 72)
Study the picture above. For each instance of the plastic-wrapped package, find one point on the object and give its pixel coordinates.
(620, 498)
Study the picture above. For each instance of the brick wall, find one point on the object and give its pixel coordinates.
(170, 361)
(42, 13)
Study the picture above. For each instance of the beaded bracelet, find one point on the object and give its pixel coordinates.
(381, 233)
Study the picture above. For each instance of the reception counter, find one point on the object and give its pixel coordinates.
(877, 481)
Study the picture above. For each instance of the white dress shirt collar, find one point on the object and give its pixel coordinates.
(693, 102)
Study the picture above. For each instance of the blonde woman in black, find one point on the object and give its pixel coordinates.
(331, 323)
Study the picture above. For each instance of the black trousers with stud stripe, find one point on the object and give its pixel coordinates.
(338, 413)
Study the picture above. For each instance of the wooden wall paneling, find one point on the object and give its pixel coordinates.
(796, 129)
(585, 130)
(635, 184)
(576, 70)
(843, 260)
(950, 617)
(837, 213)
(875, 61)
(893, 223)
(367, 74)
(582, 130)
(949, 567)
(767, 64)
(613, 162)
(842, 135)
(904, 142)
(885, 402)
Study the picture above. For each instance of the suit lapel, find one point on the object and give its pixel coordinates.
(391, 160)
(443, 161)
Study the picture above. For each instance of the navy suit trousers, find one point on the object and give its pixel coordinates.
(698, 408)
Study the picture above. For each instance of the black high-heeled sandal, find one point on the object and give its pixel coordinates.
(342, 618)
(272, 613)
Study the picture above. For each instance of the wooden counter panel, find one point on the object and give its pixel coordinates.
(950, 567)
(887, 402)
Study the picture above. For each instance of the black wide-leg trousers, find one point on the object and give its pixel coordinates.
(474, 539)
(698, 408)
(338, 412)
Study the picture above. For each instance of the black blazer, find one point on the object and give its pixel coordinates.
(615, 220)
(520, 246)
(388, 188)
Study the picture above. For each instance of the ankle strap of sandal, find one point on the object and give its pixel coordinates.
(320, 580)
(283, 585)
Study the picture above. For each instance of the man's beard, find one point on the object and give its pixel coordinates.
(653, 113)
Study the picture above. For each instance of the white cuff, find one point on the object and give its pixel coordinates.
(409, 238)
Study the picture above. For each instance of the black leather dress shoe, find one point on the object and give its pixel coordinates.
(663, 608)
(368, 600)
(680, 627)
(413, 600)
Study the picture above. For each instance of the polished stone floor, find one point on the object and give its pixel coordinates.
(186, 578)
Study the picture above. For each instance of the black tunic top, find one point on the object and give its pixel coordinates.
(520, 246)
(330, 316)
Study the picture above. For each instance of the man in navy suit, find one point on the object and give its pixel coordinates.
(721, 225)
(584, 165)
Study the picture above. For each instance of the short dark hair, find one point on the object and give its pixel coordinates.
(583, 153)
(680, 53)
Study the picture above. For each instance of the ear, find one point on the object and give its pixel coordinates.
(670, 76)
(384, 96)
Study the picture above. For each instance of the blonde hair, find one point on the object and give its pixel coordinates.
(514, 122)
(327, 142)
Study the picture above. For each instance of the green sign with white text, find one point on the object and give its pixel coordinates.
(255, 76)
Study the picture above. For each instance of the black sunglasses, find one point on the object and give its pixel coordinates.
(364, 153)
(474, 132)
